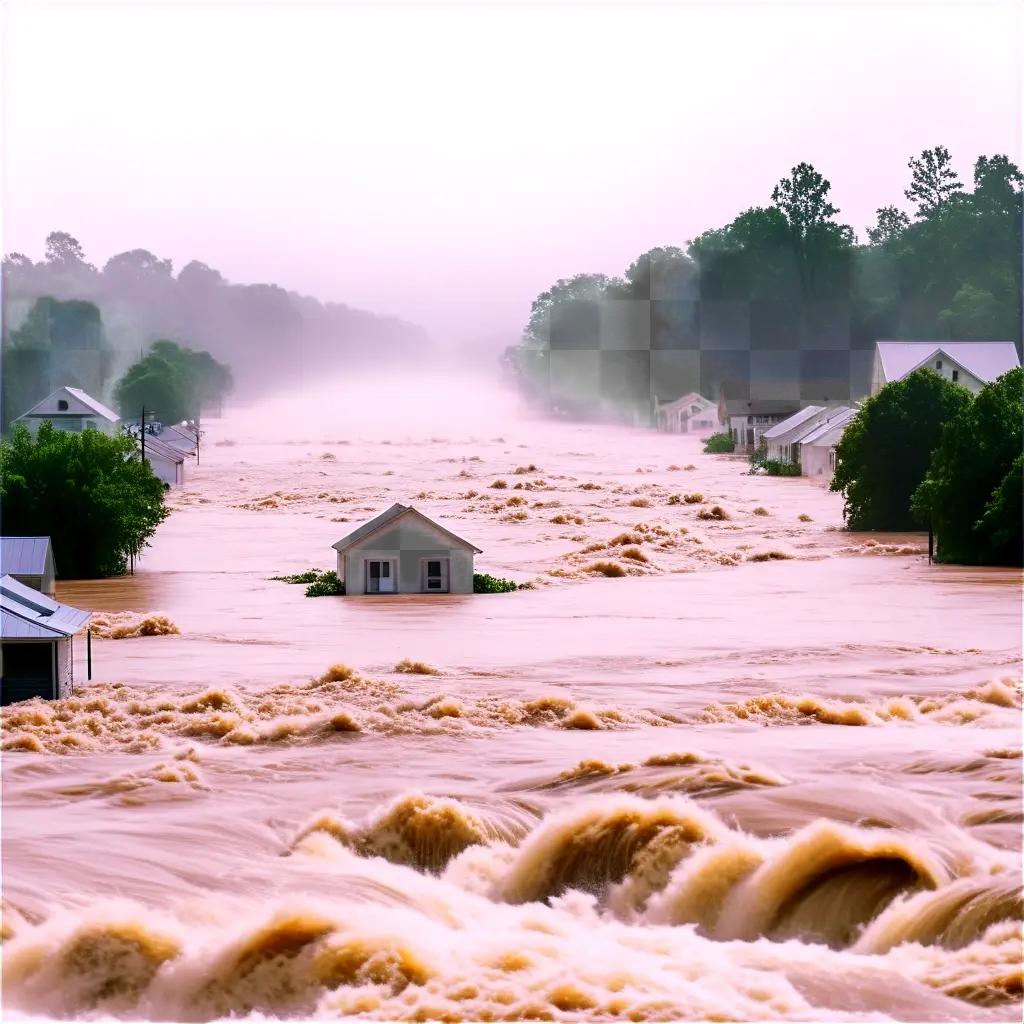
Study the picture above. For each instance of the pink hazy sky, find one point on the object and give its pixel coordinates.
(445, 162)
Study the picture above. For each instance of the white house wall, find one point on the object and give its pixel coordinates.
(65, 668)
(408, 542)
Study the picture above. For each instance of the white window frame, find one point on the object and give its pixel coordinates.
(445, 577)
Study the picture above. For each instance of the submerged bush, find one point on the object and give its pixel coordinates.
(484, 583)
(775, 467)
(719, 444)
(309, 576)
(326, 584)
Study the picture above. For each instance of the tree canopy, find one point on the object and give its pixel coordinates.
(972, 492)
(88, 492)
(173, 383)
(887, 447)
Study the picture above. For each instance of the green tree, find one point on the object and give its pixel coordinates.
(886, 449)
(889, 227)
(96, 501)
(156, 385)
(972, 492)
(933, 182)
(174, 382)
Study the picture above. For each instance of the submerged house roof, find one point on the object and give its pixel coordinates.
(23, 556)
(390, 516)
(987, 360)
(798, 419)
(25, 614)
(828, 432)
(79, 404)
(693, 398)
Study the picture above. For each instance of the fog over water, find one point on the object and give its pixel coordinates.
(716, 787)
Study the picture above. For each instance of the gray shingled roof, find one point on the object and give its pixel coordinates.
(780, 430)
(23, 556)
(388, 516)
(25, 614)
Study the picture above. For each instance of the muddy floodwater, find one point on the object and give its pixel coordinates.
(771, 771)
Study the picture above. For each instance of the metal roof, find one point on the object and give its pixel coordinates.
(25, 614)
(986, 360)
(23, 556)
(154, 446)
(798, 419)
(829, 432)
(92, 406)
(389, 516)
(181, 438)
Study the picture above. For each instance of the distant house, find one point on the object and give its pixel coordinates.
(35, 643)
(970, 363)
(71, 409)
(29, 561)
(818, 448)
(746, 420)
(783, 439)
(167, 463)
(689, 413)
(401, 551)
(182, 436)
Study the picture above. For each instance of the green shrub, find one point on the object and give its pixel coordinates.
(484, 583)
(326, 584)
(758, 457)
(775, 467)
(309, 576)
(719, 444)
(319, 583)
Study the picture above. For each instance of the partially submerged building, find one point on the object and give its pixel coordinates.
(818, 448)
(73, 410)
(402, 551)
(29, 561)
(746, 420)
(972, 364)
(36, 654)
(167, 462)
(782, 441)
(692, 412)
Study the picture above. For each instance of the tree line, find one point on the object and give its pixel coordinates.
(790, 276)
(270, 336)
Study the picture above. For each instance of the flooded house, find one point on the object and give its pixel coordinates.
(782, 440)
(818, 448)
(746, 420)
(36, 653)
(73, 410)
(692, 412)
(166, 461)
(402, 551)
(29, 561)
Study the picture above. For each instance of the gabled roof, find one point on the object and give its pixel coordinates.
(154, 446)
(86, 406)
(23, 556)
(828, 432)
(390, 516)
(693, 398)
(798, 419)
(25, 614)
(986, 360)
(179, 437)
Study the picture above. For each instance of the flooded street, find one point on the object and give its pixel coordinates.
(772, 771)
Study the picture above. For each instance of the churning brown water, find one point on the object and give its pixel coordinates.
(772, 772)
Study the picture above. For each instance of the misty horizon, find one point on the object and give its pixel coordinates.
(451, 205)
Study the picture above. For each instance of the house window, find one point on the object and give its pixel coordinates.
(62, 405)
(435, 575)
(938, 364)
(956, 376)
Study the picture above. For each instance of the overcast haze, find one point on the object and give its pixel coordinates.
(445, 163)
